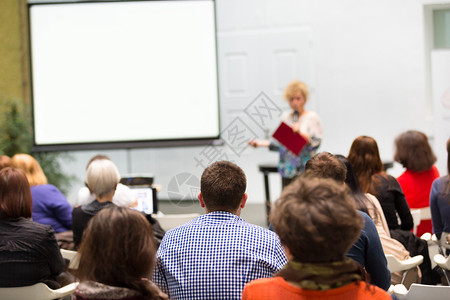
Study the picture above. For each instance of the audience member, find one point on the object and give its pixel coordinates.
(50, 206)
(102, 178)
(29, 252)
(365, 159)
(415, 154)
(367, 250)
(374, 210)
(317, 223)
(117, 257)
(123, 196)
(216, 254)
(440, 202)
(5, 161)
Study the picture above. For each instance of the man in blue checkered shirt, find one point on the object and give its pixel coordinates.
(216, 254)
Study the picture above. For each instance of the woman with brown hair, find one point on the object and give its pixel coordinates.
(415, 154)
(373, 208)
(365, 159)
(50, 206)
(117, 256)
(316, 241)
(440, 201)
(29, 252)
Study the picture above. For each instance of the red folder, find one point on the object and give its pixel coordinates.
(290, 139)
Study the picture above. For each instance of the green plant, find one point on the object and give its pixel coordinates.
(15, 127)
(51, 164)
(16, 137)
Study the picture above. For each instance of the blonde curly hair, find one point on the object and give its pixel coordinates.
(294, 88)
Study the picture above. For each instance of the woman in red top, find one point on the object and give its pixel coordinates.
(415, 154)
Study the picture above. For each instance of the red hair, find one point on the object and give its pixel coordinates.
(15, 194)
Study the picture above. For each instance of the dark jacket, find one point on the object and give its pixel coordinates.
(81, 216)
(29, 254)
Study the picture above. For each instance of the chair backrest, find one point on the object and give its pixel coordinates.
(420, 214)
(72, 256)
(422, 291)
(416, 219)
(444, 241)
(442, 261)
(38, 291)
(168, 222)
(395, 265)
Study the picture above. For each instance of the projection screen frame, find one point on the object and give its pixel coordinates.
(131, 144)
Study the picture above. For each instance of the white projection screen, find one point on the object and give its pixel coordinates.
(123, 73)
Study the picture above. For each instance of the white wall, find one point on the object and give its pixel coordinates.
(365, 62)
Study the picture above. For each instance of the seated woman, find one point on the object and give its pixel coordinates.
(415, 154)
(370, 205)
(366, 162)
(29, 252)
(316, 241)
(365, 159)
(440, 202)
(117, 256)
(50, 206)
(102, 178)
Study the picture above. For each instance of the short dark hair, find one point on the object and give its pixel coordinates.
(222, 186)
(326, 165)
(15, 194)
(316, 219)
(118, 249)
(413, 151)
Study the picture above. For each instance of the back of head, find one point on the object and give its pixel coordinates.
(222, 186)
(413, 151)
(31, 167)
(117, 249)
(326, 165)
(365, 159)
(96, 157)
(352, 182)
(102, 177)
(294, 88)
(5, 161)
(316, 219)
(15, 194)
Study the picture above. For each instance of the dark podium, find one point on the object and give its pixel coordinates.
(266, 169)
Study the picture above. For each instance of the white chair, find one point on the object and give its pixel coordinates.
(433, 246)
(73, 258)
(421, 292)
(444, 242)
(168, 222)
(395, 265)
(38, 291)
(420, 214)
(444, 263)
